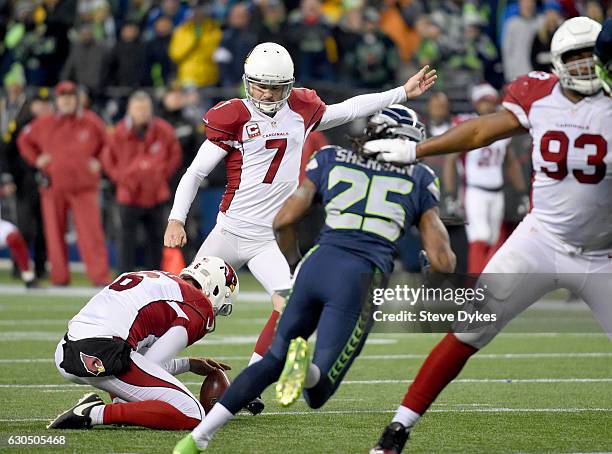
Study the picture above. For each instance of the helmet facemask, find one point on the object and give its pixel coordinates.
(577, 74)
(267, 107)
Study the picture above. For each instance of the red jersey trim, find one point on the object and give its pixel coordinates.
(308, 105)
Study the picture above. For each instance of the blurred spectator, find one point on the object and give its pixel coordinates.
(540, 49)
(595, 11)
(518, 37)
(39, 39)
(15, 113)
(374, 59)
(173, 103)
(175, 10)
(190, 137)
(136, 11)
(87, 61)
(310, 38)
(65, 148)
(98, 13)
(476, 52)
(192, 46)
(270, 22)
(141, 157)
(238, 40)
(438, 114)
(434, 48)
(127, 60)
(394, 25)
(159, 68)
(347, 33)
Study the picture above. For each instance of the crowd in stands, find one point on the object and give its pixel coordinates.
(190, 54)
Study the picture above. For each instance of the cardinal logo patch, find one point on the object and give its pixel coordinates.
(231, 280)
(92, 364)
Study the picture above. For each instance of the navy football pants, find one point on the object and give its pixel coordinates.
(332, 294)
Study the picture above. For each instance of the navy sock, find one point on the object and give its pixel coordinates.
(251, 382)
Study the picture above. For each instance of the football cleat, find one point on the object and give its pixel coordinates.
(77, 417)
(255, 407)
(187, 445)
(392, 440)
(291, 381)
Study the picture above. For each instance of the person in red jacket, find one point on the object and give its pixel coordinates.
(142, 155)
(65, 146)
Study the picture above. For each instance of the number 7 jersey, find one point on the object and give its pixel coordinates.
(571, 159)
(263, 157)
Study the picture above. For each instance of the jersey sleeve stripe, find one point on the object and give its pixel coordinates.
(519, 113)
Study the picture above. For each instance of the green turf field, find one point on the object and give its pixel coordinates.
(523, 393)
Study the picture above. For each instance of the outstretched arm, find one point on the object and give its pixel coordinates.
(365, 105)
(471, 134)
(436, 242)
(290, 213)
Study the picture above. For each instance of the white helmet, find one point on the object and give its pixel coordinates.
(217, 280)
(574, 34)
(268, 64)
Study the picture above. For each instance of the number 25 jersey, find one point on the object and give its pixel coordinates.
(369, 204)
(571, 159)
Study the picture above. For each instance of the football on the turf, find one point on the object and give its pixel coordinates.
(213, 388)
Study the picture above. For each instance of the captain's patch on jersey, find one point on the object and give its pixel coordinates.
(252, 130)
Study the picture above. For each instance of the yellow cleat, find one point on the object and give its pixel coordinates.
(291, 381)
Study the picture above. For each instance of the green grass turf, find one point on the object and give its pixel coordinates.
(472, 417)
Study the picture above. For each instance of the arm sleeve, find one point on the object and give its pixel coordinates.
(165, 349)
(359, 106)
(207, 158)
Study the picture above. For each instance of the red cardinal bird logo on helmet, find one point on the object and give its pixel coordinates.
(92, 364)
(231, 280)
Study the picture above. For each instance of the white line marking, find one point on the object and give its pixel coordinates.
(371, 382)
(487, 356)
(436, 410)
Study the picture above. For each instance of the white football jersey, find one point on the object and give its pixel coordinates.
(140, 307)
(263, 157)
(571, 158)
(484, 167)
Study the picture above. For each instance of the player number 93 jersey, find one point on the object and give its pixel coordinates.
(369, 204)
(572, 163)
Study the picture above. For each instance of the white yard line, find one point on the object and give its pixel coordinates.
(486, 356)
(365, 382)
(435, 410)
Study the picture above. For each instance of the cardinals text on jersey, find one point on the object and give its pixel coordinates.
(571, 159)
(263, 156)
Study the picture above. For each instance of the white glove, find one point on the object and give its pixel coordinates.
(523, 207)
(399, 151)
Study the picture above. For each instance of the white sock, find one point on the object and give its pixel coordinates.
(211, 423)
(254, 358)
(97, 415)
(312, 376)
(406, 416)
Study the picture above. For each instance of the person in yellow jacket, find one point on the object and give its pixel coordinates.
(192, 46)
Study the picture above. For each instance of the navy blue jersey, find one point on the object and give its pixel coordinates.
(368, 203)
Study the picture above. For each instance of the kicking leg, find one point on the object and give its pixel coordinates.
(298, 320)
